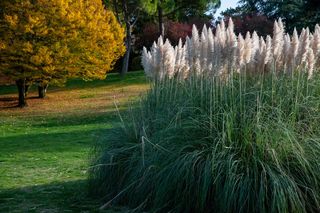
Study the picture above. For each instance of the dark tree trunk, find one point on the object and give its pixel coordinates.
(116, 10)
(26, 89)
(21, 84)
(125, 64)
(42, 90)
(126, 59)
(160, 20)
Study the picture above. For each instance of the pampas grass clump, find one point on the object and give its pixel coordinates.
(224, 52)
(245, 143)
(230, 124)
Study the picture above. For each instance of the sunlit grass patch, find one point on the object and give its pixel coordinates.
(44, 148)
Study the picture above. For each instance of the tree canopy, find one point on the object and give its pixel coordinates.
(295, 13)
(180, 10)
(49, 41)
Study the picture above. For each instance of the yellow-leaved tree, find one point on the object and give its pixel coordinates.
(50, 41)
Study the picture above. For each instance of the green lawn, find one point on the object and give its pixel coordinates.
(44, 149)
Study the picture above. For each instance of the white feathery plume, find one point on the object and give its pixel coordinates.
(316, 45)
(189, 54)
(204, 31)
(195, 40)
(210, 54)
(184, 63)
(155, 59)
(217, 56)
(168, 59)
(146, 62)
(248, 48)
(310, 63)
(231, 44)
(195, 48)
(240, 52)
(275, 34)
(255, 43)
(281, 61)
(226, 51)
(254, 52)
(181, 64)
(204, 48)
(304, 42)
(230, 25)
(223, 26)
(159, 60)
(261, 53)
(223, 35)
(268, 55)
(277, 40)
(262, 47)
(316, 41)
(187, 51)
(160, 41)
(295, 44)
(281, 25)
(286, 52)
(218, 31)
(178, 56)
(197, 66)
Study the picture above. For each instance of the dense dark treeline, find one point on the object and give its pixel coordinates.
(295, 13)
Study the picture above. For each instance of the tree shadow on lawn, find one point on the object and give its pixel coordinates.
(59, 143)
(69, 196)
(94, 118)
(100, 119)
(84, 120)
(113, 80)
(8, 99)
(12, 101)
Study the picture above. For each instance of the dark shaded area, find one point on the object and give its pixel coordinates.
(295, 13)
(8, 99)
(53, 142)
(56, 197)
(13, 102)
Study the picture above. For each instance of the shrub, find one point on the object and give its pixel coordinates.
(150, 33)
(173, 31)
(176, 31)
(250, 23)
(246, 143)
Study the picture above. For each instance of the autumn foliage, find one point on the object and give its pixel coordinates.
(250, 23)
(173, 31)
(49, 41)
